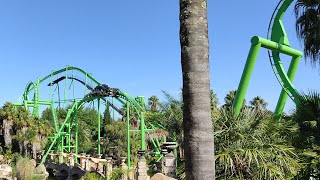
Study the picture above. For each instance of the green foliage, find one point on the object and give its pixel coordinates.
(307, 138)
(153, 102)
(307, 26)
(26, 128)
(107, 119)
(34, 177)
(25, 169)
(250, 146)
(181, 173)
(116, 141)
(229, 99)
(117, 173)
(91, 176)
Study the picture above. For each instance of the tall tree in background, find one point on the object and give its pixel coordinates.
(308, 27)
(107, 119)
(153, 102)
(197, 124)
(258, 104)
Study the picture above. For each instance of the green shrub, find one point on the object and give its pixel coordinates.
(25, 168)
(91, 176)
(34, 177)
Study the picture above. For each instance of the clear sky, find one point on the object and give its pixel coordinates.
(134, 45)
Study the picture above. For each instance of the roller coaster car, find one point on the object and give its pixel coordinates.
(103, 90)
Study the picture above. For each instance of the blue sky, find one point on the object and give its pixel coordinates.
(134, 45)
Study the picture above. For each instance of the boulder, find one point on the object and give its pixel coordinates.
(1, 158)
(41, 171)
(5, 172)
(160, 176)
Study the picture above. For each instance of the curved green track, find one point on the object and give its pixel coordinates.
(65, 138)
(276, 44)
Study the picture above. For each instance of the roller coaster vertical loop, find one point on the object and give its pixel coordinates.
(276, 44)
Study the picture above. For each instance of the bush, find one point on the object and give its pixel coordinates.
(91, 176)
(25, 169)
(34, 177)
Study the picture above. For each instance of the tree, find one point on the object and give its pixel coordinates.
(307, 25)
(307, 139)
(153, 101)
(258, 104)
(229, 99)
(214, 104)
(197, 124)
(253, 147)
(107, 119)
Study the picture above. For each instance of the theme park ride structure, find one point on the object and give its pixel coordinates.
(65, 137)
(277, 43)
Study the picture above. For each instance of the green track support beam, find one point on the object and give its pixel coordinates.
(99, 128)
(283, 95)
(277, 43)
(258, 42)
(128, 135)
(245, 78)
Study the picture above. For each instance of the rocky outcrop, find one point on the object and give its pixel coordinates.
(160, 176)
(41, 171)
(5, 172)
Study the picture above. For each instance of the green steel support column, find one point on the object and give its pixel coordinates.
(99, 128)
(245, 78)
(50, 97)
(128, 135)
(158, 143)
(62, 142)
(58, 135)
(73, 85)
(84, 93)
(143, 133)
(77, 132)
(54, 115)
(112, 110)
(283, 96)
(65, 88)
(69, 137)
(36, 99)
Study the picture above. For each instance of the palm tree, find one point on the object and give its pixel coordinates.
(228, 101)
(198, 139)
(307, 26)
(307, 139)
(153, 101)
(214, 104)
(253, 147)
(307, 117)
(258, 104)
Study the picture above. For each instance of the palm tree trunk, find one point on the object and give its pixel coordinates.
(198, 139)
(7, 126)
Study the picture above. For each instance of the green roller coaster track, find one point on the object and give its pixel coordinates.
(65, 138)
(277, 43)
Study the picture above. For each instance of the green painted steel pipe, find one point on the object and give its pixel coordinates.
(283, 96)
(245, 78)
(128, 135)
(54, 116)
(143, 133)
(58, 135)
(69, 137)
(276, 46)
(258, 42)
(77, 132)
(99, 128)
